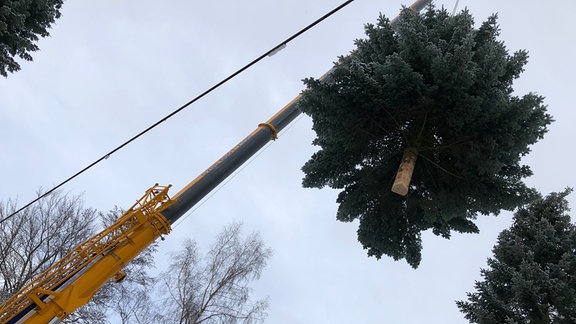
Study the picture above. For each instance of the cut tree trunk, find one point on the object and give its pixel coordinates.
(404, 173)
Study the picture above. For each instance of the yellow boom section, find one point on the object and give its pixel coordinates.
(72, 282)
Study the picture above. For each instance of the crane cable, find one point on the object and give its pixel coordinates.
(270, 52)
(233, 176)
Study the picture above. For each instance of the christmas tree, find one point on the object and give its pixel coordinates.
(419, 127)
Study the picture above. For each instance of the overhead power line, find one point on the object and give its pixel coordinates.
(271, 52)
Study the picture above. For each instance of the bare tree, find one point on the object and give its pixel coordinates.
(214, 288)
(209, 289)
(126, 302)
(38, 236)
(34, 239)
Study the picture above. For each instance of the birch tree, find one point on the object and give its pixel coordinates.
(214, 288)
(38, 236)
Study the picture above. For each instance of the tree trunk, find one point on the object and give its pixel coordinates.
(404, 173)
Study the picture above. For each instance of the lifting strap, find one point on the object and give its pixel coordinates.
(272, 128)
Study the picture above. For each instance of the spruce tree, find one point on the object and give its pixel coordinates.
(532, 275)
(21, 23)
(433, 94)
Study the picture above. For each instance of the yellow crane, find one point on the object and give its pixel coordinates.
(72, 281)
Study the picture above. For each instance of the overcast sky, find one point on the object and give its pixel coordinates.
(112, 68)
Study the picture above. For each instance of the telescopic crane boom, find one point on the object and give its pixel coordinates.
(71, 282)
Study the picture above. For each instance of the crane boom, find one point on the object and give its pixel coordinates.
(72, 281)
(221, 169)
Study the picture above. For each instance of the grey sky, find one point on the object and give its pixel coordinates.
(112, 68)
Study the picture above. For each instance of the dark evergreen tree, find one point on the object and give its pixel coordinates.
(21, 23)
(532, 276)
(435, 89)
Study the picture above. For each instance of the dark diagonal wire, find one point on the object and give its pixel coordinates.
(271, 52)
